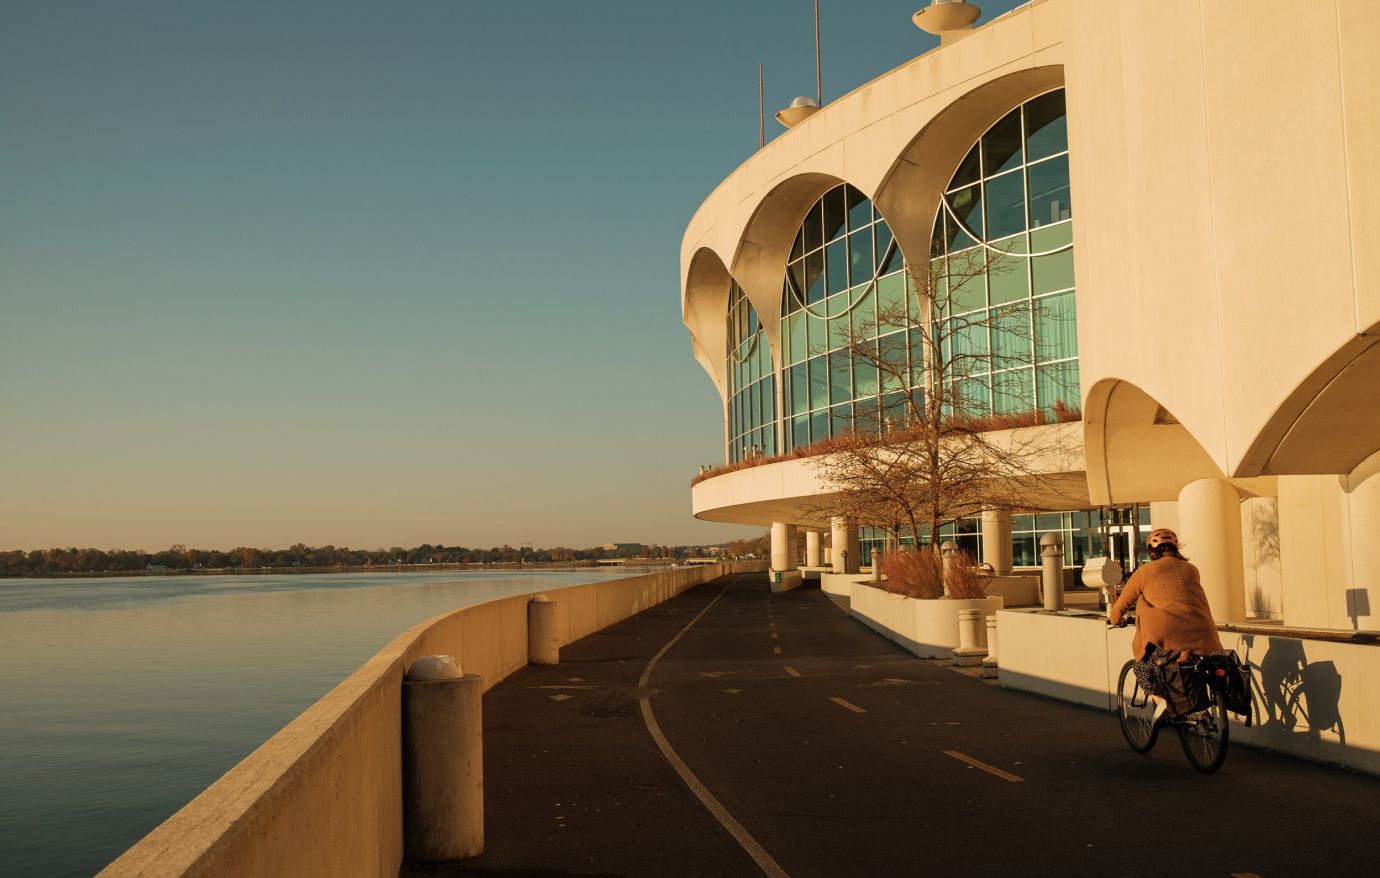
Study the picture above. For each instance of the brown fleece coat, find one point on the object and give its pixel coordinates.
(1172, 610)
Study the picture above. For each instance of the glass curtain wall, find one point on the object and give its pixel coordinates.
(752, 390)
(1086, 533)
(1002, 263)
(845, 270)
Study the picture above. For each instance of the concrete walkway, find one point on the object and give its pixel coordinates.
(837, 753)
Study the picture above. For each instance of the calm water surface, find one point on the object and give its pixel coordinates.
(121, 699)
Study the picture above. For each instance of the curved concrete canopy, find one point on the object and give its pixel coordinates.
(1330, 423)
(1136, 450)
(705, 307)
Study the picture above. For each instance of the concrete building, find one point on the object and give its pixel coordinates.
(1185, 198)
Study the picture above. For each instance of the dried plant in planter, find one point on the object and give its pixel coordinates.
(913, 574)
(964, 580)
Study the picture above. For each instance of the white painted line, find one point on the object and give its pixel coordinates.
(759, 854)
(792, 671)
(561, 697)
(775, 636)
(990, 769)
(776, 650)
(848, 704)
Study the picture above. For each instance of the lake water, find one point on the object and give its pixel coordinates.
(121, 699)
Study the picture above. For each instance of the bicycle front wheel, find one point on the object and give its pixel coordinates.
(1136, 711)
(1205, 736)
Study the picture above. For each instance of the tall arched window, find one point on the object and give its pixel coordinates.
(1007, 210)
(844, 262)
(752, 392)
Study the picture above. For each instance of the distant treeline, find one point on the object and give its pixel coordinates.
(178, 558)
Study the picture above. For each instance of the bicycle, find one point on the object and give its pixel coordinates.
(1204, 732)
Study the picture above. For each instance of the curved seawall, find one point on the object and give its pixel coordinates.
(323, 796)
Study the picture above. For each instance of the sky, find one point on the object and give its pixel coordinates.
(375, 274)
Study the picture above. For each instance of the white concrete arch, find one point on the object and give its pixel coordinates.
(909, 194)
(1330, 422)
(705, 309)
(868, 136)
(1135, 449)
(759, 263)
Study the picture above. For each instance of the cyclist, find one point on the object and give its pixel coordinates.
(1171, 607)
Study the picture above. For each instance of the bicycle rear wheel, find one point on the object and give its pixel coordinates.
(1136, 711)
(1205, 737)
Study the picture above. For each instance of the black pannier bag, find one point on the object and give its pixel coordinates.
(1236, 693)
(1183, 687)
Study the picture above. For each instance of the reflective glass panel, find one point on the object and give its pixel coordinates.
(1056, 327)
(840, 378)
(1001, 146)
(883, 235)
(1046, 129)
(860, 257)
(835, 214)
(814, 277)
(836, 265)
(1049, 191)
(969, 170)
(859, 209)
(1005, 205)
(965, 206)
(812, 229)
(819, 382)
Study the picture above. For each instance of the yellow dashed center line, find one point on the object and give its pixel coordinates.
(776, 650)
(847, 704)
(990, 769)
(792, 671)
(773, 635)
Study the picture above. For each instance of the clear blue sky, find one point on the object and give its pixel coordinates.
(374, 274)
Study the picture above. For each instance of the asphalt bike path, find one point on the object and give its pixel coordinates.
(838, 753)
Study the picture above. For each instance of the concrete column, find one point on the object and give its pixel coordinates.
(996, 540)
(812, 552)
(1052, 570)
(543, 640)
(782, 547)
(845, 542)
(1210, 533)
(443, 762)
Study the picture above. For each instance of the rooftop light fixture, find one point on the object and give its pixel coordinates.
(946, 19)
(800, 109)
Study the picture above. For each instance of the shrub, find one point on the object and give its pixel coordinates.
(916, 574)
(965, 580)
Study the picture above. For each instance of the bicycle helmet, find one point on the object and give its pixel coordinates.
(1162, 536)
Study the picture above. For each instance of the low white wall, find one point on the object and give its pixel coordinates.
(928, 628)
(1316, 699)
(1015, 591)
(840, 584)
(324, 795)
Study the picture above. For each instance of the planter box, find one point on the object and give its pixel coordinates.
(928, 628)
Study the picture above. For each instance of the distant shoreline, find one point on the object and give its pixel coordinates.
(379, 568)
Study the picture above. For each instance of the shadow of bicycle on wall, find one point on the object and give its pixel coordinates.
(1293, 695)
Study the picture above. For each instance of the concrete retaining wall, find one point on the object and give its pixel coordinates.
(324, 795)
(1316, 699)
(928, 628)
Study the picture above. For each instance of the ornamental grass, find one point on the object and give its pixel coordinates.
(913, 574)
(965, 580)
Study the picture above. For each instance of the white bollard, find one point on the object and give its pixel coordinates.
(543, 643)
(989, 664)
(876, 565)
(1052, 572)
(970, 636)
(443, 762)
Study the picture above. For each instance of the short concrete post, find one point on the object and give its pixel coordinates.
(989, 664)
(948, 550)
(970, 634)
(443, 762)
(543, 644)
(1052, 574)
(876, 565)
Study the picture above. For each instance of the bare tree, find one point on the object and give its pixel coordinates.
(951, 383)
